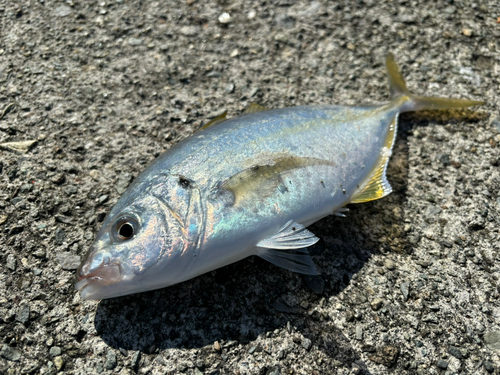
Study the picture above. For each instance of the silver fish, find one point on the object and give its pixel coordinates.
(247, 186)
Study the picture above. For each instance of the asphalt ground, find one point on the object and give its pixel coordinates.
(94, 91)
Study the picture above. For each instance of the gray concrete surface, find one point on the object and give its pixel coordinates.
(409, 283)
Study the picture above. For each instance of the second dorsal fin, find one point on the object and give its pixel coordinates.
(376, 185)
(217, 120)
(253, 108)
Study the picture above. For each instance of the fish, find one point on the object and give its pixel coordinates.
(247, 186)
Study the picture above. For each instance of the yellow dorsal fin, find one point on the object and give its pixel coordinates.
(217, 120)
(254, 107)
(376, 185)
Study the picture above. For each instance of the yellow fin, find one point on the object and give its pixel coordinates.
(217, 120)
(261, 181)
(253, 108)
(376, 185)
(410, 102)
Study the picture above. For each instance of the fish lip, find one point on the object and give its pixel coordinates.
(104, 275)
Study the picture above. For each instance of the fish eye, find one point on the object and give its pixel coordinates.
(126, 231)
(125, 228)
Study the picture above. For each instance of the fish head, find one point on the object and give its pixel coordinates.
(139, 247)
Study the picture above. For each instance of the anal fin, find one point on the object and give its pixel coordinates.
(286, 249)
(376, 185)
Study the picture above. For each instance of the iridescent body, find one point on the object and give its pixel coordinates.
(246, 186)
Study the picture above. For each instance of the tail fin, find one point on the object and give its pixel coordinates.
(411, 102)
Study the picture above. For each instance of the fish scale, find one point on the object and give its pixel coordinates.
(247, 186)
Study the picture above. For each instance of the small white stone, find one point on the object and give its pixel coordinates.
(225, 18)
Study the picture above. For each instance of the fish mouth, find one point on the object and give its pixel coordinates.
(91, 283)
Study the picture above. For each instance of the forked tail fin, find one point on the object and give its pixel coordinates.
(411, 102)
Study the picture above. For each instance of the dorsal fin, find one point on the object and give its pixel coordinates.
(376, 185)
(253, 108)
(217, 120)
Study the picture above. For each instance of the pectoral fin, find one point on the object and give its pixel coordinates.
(260, 181)
(286, 249)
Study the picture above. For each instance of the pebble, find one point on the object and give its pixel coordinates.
(285, 21)
(376, 304)
(60, 236)
(414, 239)
(349, 316)
(189, 30)
(55, 351)
(306, 343)
(9, 353)
(432, 210)
(455, 352)
(359, 333)
(110, 360)
(16, 229)
(496, 124)
(430, 318)
(389, 264)
(217, 346)
(444, 158)
(229, 88)
(405, 290)
(39, 253)
(71, 190)
(123, 182)
(442, 364)
(253, 91)
(68, 261)
(59, 179)
(63, 11)
(136, 359)
(94, 174)
(59, 363)
(11, 262)
(492, 339)
(467, 32)
(23, 314)
(135, 42)
(358, 298)
(225, 18)
(488, 366)
(103, 199)
(387, 355)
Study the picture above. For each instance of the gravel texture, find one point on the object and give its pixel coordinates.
(410, 283)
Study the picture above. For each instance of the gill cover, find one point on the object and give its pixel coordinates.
(182, 198)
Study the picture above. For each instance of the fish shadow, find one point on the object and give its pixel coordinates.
(234, 305)
(253, 299)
